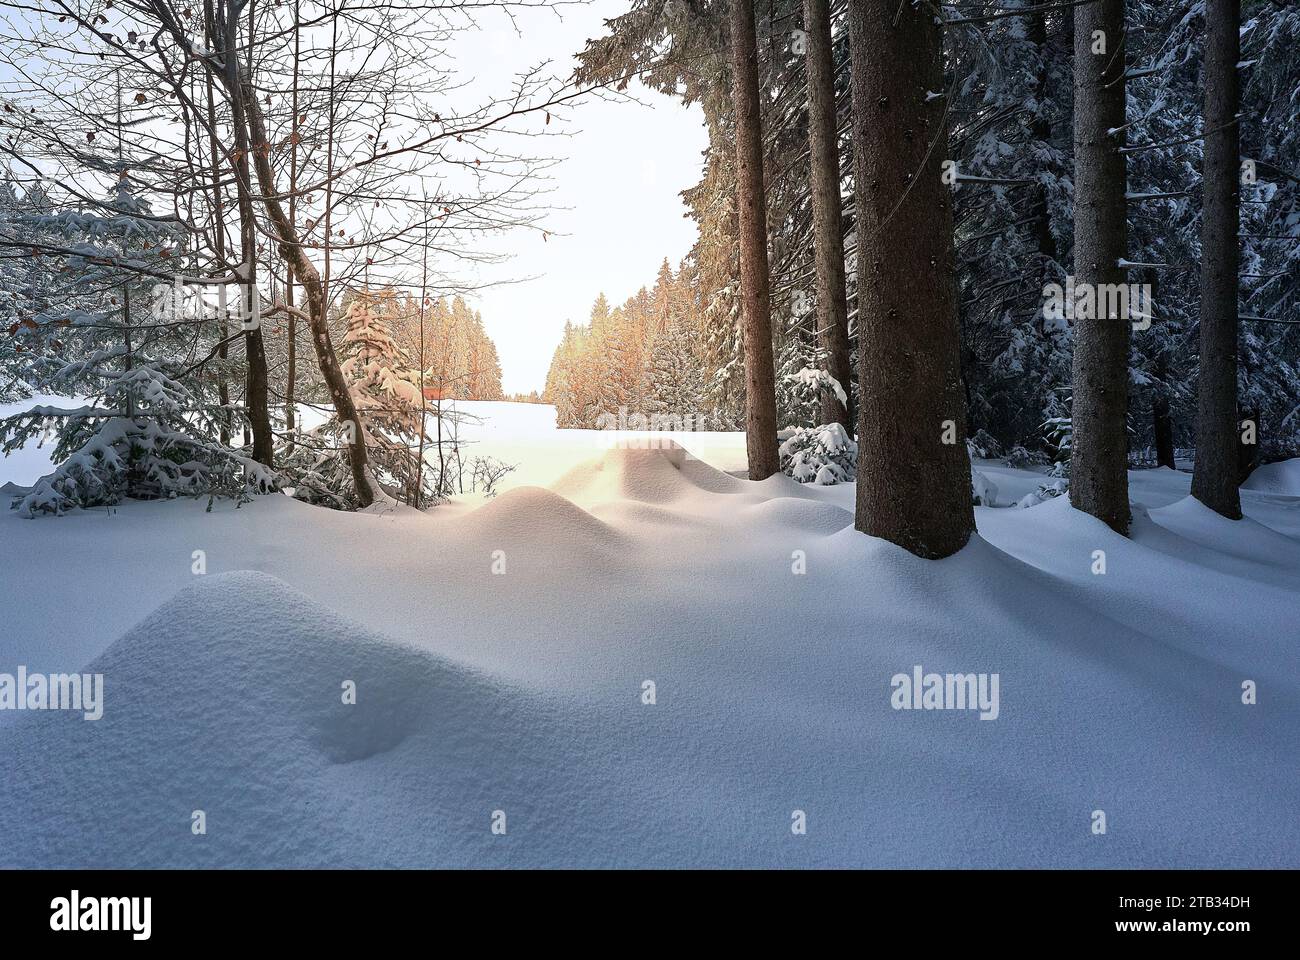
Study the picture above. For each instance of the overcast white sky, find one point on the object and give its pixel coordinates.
(619, 178)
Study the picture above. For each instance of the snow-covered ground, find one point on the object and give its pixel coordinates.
(500, 654)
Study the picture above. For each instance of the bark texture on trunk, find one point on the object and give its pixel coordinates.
(760, 368)
(1214, 479)
(914, 488)
(828, 229)
(256, 385)
(1098, 458)
(291, 374)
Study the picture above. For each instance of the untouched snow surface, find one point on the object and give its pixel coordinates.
(521, 691)
(1281, 478)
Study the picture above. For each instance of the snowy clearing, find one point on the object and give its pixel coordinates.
(522, 691)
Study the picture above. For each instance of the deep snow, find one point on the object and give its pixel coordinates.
(522, 691)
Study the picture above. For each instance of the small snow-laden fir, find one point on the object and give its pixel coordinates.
(389, 402)
(823, 455)
(1046, 491)
(151, 427)
(385, 390)
(801, 381)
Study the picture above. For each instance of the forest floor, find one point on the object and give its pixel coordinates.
(501, 653)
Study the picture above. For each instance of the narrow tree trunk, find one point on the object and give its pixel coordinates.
(914, 482)
(1098, 459)
(256, 387)
(424, 403)
(828, 230)
(760, 369)
(310, 281)
(1214, 479)
(219, 248)
(291, 375)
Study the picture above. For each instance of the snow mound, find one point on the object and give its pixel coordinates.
(1281, 479)
(1119, 692)
(1244, 548)
(1161, 583)
(652, 518)
(813, 516)
(230, 699)
(538, 516)
(773, 653)
(269, 649)
(662, 474)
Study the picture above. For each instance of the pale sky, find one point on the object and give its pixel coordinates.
(619, 178)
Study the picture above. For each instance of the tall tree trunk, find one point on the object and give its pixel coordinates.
(828, 230)
(760, 368)
(219, 248)
(914, 480)
(1214, 479)
(291, 375)
(309, 279)
(257, 388)
(418, 493)
(1098, 458)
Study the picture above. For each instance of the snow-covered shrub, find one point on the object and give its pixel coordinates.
(315, 468)
(1059, 434)
(1023, 459)
(106, 454)
(486, 473)
(801, 379)
(825, 455)
(154, 426)
(983, 446)
(1045, 491)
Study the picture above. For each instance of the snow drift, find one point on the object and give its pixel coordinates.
(769, 631)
